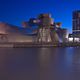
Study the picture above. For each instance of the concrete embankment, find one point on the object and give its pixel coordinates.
(25, 45)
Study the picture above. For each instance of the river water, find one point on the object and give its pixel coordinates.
(40, 63)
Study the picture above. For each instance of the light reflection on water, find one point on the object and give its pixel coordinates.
(40, 63)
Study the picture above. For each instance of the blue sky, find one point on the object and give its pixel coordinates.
(16, 11)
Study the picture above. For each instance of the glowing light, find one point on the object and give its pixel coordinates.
(70, 39)
(77, 39)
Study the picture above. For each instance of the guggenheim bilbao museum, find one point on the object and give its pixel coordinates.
(47, 31)
(10, 33)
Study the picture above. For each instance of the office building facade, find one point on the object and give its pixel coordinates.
(76, 22)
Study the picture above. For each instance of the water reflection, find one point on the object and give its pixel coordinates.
(40, 63)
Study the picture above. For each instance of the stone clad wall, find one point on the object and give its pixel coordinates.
(10, 33)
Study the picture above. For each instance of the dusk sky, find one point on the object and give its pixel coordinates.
(16, 11)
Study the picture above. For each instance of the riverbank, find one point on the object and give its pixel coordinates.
(25, 44)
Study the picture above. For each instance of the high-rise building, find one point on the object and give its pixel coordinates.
(76, 22)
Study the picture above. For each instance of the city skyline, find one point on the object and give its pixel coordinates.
(14, 12)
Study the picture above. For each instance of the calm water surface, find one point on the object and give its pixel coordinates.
(39, 63)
